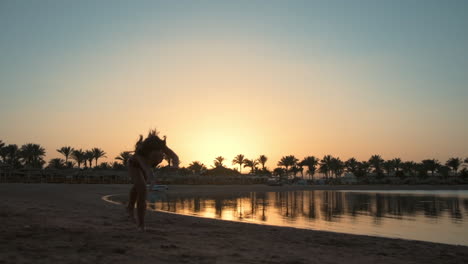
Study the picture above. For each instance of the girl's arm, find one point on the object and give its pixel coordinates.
(172, 156)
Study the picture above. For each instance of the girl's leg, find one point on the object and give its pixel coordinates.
(140, 186)
(131, 203)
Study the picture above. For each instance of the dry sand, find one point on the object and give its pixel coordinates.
(48, 223)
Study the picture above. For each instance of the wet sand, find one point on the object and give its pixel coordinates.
(62, 223)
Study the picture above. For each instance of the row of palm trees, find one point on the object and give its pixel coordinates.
(333, 167)
(32, 155)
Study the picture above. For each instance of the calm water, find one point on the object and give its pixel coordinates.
(438, 216)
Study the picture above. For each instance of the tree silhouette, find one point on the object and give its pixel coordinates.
(12, 155)
(454, 163)
(124, 156)
(197, 167)
(218, 162)
(239, 159)
(376, 162)
(251, 164)
(431, 165)
(337, 166)
(287, 162)
(326, 165)
(56, 163)
(89, 156)
(3, 151)
(97, 154)
(311, 163)
(351, 165)
(65, 151)
(79, 156)
(263, 159)
(32, 155)
(388, 166)
(397, 164)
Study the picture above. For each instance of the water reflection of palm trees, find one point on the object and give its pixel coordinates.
(329, 206)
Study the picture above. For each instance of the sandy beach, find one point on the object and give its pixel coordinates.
(62, 223)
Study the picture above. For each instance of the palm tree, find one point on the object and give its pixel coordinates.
(2, 144)
(288, 161)
(263, 159)
(388, 166)
(337, 166)
(454, 163)
(79, 156)
(325, 165)
(89, 156)
(56, 163)
(66, 151)
(32, 155)
(12, 155)
(124, 156)
(397, 164)
(351, 165)
(251, 164)
(408, 167)
(311, 163)
(239, 159)
(197, 167)
(362, 169)
(97, 154)
(376, 162)
(3, 151)
(218, 162)
(430, 165)
(279, 172)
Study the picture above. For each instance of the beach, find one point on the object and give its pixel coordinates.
(66, 223)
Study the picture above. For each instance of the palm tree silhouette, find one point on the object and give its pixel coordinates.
(32, 155)
(351, 165)
(263, 159)
(239, 159)
(388, 166)
(251, 164)
(124, 156)
(376, 162)
(3, 151)
(336, 166)
(97, 154)
(65, 151)
(197, 167)
(56, 163)
(12, 155)
(430, 165)
(311, 163)
(288, 161)
(454, 163)
(326, 165)
(89, 156)
(397, 164)
(218, 161)
(79, 156)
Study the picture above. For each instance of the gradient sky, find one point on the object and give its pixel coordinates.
(347, 78)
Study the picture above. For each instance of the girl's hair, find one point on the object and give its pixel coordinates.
(152, 142)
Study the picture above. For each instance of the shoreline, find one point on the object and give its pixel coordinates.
(80, 227)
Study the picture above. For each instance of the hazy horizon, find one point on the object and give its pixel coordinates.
(219, 78)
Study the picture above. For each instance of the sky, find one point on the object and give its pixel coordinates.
(221, 78)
